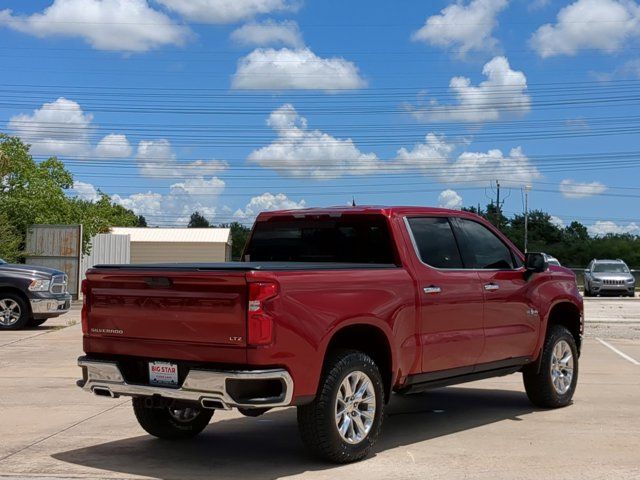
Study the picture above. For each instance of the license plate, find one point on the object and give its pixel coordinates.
(163, 373)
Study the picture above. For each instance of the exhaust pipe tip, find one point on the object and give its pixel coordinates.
(212, 404)
(103, 392)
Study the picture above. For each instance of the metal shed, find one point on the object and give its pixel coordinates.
(177, 245)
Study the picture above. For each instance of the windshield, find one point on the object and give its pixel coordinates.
(2, 261)
(610, 268)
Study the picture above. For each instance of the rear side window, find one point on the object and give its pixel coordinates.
(345, 239)
(435, 241)
(484, 249)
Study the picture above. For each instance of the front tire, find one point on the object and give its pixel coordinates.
(14, 312)
(170, 423)
(343, 422)
(554, 384)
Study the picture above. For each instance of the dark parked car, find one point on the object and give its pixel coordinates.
(30, 295)
(608, 277)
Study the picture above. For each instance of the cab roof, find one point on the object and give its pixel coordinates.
(388, 211)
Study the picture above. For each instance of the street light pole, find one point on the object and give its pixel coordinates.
(526, 216)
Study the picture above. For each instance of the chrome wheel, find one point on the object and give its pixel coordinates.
(355, 407)
(184, 415)
(561, 367)
(9, 312)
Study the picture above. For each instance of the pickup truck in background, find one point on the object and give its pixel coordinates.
(331, 310)
(30, 295)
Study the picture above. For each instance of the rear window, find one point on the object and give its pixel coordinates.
(345, 239)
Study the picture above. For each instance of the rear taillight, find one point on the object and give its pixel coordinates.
(260, 323)
(84, 316)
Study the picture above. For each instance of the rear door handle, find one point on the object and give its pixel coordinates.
(431, 289)
(491, 286)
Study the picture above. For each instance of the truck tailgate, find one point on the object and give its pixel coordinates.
(192, 306)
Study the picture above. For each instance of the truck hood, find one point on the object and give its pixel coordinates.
(29, 270)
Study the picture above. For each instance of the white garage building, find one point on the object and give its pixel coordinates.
(177, 245)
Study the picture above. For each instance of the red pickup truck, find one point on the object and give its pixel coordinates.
(331, 310)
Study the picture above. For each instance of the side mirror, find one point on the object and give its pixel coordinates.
(535, 263)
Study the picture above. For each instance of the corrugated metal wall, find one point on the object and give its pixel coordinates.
(178, 252)
(107, 249)
(56, 246)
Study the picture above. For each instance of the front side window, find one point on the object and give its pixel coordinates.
(435, 241)
(484, 249)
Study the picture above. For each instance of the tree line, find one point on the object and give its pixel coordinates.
(571, 245)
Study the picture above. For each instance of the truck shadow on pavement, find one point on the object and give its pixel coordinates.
(268, 447)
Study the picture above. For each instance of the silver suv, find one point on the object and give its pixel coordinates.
(608, 277)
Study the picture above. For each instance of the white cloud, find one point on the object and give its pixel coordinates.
(62, 128)
(156, 159)
(121, 25)
(267, 202)
(605, 227)
(285, 33)
(56, 128)
(85, 191)
(227, 11)
(589, 24)
(295, 69)
(149, 204)
(300, 152)
(512, 170)
(557, 221)
(433, 158)
(573, 189)
(113, 145)
(503, 93)
(184, 198)
(429, 157)
(465, 27)
(450, 199)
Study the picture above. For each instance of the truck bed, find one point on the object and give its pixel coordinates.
(247, 266)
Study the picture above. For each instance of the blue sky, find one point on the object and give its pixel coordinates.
(232, 107)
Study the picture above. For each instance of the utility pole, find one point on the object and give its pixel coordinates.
(526, 216)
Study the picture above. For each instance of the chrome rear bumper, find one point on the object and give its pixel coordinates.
(209, 388)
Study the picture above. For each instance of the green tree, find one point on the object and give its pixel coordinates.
(10, 240)
(35, 193)
(239, 236)
(198, 220)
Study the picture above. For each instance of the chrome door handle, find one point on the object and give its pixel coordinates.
(491, 286)
(431, 289)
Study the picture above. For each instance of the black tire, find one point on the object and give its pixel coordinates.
(18, 303)
(539, 385)
(36, 322)
(316, 421)
(160, 423)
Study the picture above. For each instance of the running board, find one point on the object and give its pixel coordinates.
(427, 381)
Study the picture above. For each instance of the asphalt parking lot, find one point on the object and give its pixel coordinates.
(487, 429)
